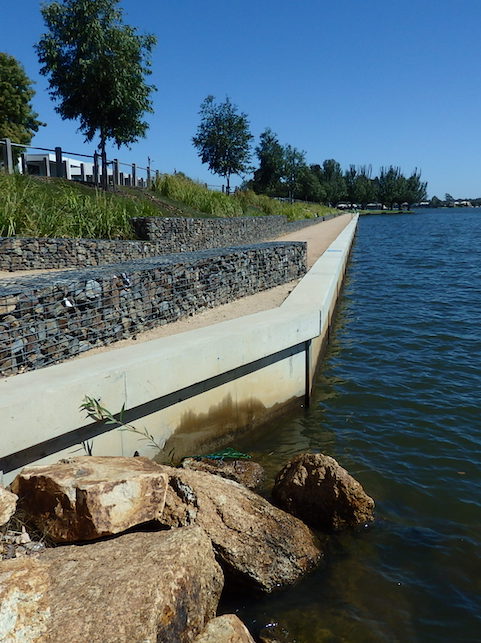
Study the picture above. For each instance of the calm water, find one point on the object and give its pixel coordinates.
(397, 402)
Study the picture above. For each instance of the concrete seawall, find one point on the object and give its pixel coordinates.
(189, 391)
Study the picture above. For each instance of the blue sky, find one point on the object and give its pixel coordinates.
(362, 81)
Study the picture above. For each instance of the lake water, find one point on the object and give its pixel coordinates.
(397, 403)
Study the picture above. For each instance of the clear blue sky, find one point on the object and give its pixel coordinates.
(362, 81)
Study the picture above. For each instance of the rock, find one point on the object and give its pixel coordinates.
(225, 629)
(8, 504)
(246, 472)
(258, 545)
(88, 497)
(274, 633)
(142, 587)
(316, 489)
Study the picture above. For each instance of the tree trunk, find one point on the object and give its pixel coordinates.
(227, 178)
(104, 161)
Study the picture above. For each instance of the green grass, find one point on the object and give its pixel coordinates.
(59, 208)
(35, 207)
(183, 190)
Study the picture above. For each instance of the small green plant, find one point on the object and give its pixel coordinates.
(95, 411)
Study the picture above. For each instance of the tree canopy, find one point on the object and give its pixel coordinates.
(97, 68)
(270, 154)
(18, 121)
(223, 138)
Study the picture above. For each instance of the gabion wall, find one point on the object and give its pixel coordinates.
(25, 253)
(160, 235)
(47, 318)
(183, 234)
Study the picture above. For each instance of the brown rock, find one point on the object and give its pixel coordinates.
(24, 609)
(8, 504)
(246, 472)
(225, 629)
(142, 587)
(88, 497)
(316, 489)
(257, 544)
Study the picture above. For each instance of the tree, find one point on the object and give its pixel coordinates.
(309, 187)
(415, 189)
(18, 121)
(294, 165)
(97, 67)
(223, 138)
(271, 164)
(366, 187)
(333, 181)
(448, 198)
(350, 178)
(390, 184)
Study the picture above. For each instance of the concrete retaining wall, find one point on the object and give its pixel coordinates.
(190, 391)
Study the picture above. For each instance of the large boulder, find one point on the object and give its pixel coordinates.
(225, 629)
(142, 587)
(246, 472)
(88, 497)
(257, 544)
(316, 489)
(8, 504)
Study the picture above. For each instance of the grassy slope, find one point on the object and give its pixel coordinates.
(31, 206)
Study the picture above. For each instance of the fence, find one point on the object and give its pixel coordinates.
(56, 162)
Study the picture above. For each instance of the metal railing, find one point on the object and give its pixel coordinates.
(63, 166)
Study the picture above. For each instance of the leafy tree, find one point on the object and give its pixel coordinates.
(333, 181)
(97, 67)
(294, 166)
(350, 177)
(271, 164)
(309, 187)
(366, 188)
(18, 121)
(390, 186)
(436, 202)
(223, 138)
(415, 189)
(448, 198)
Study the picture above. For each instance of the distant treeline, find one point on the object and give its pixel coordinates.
(284, 172)
(450, 202)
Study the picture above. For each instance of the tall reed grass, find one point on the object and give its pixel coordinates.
(180, 188)
(35, 207)
(57, 208)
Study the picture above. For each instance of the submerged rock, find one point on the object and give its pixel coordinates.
(8, 504)
(257, 544)
(246, 472)
(225, 629)
(87, 497)
(142, 587)
(316, 489)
